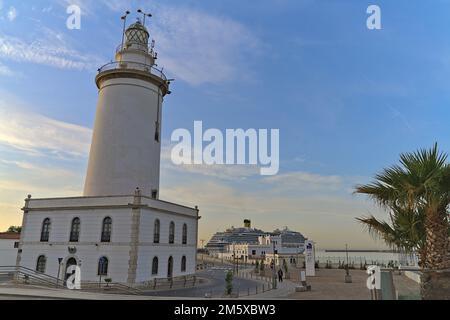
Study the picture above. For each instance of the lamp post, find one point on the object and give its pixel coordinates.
(348, 277)
(274, 276)
(124, 18)
(145, 15)
(59, 271)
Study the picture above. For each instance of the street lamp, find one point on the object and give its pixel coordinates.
(348, 277)
(60, 260)
(124, 18)
(274, 277)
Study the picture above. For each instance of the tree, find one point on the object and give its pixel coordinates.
(229, 283)
(416, 194)
(15, 229)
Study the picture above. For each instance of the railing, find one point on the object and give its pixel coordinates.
(30, 276)
(173, 283)
(128, 65)
(135, 46)
(113, 287)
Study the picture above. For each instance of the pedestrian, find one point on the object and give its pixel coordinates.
(280, 275)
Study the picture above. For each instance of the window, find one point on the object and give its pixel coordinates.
(16, 245)
(253, 252)
(75, 230)
(106, 229)
(156, 231)
(41, 263)
(154, 194)
(185, 233)
(155, 266)
(45, 232)
(183, 264)
(172, 233)
(103, 266)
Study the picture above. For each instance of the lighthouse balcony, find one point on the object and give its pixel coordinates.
(129, 65)
(137, 46)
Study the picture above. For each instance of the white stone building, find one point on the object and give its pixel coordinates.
(9, 244)
(119, 229)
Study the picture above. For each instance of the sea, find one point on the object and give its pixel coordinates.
(358, 257)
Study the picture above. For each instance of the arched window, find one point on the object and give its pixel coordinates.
(106, 229)
(103, 266)
(170, 268)
(155, 266)
(45, 231)
(41, 264)
(156, 231)
(172, 233)
(185, 233)
(183, 264)
(75, 230)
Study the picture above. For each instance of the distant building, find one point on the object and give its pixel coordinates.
(248, 245)
(9, 245)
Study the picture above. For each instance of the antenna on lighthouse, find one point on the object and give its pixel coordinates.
(145, 15)
(124, 18)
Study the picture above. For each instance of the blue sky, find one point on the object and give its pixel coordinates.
(347, 101)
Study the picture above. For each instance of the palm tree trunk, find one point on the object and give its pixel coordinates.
(435, 282)
(437, 242)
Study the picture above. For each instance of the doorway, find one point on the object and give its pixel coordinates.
(69, 263)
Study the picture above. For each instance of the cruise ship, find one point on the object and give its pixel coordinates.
(249, 235)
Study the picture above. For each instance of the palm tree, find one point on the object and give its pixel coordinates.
(417, 195)
(404, 231)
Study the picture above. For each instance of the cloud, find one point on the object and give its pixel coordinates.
(86, 6)
(12, 14)
(224, 172)
(49, 49)
(305, 180)
(39, 170)
(193, 46)
(37, 134)
(201, 48)
(323, 218)
(5, 71)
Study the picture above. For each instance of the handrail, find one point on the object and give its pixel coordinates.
(92, 285)
(12, 269)
(118, 65)
(140, 47)
(48, 280)
(30, 274)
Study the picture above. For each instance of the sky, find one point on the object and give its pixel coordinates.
(347, 101)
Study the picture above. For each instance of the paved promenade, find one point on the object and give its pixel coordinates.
(327, 285)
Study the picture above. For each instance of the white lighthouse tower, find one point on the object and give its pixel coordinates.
(119, 229)
(126, 145)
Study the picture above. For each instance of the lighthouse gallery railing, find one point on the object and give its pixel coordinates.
(128, 65)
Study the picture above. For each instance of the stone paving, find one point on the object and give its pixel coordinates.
(328, 284)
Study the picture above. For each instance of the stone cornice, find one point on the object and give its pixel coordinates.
(108, 207)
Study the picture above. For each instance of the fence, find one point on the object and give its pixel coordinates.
(173, 283)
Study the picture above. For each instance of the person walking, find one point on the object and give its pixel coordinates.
(280, 275)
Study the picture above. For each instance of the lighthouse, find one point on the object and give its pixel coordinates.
(119, 229)
(126, 144)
